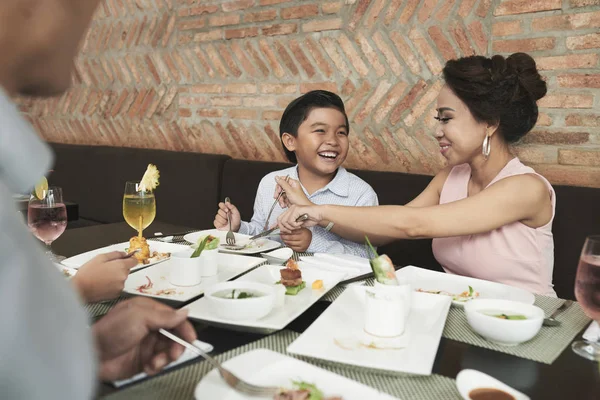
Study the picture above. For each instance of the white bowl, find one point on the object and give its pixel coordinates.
(279, 256)
(249, 309)
(503, 331)
(184, 270)
(470, 379)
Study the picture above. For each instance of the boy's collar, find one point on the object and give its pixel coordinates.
(338, 185)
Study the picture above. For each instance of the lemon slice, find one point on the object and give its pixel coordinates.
(41, 188)
(149, 181)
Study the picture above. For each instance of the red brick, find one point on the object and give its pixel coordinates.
(259, 16)
(592, 120)
(370, 54)
(272, 115)
(307, 87)
(388, 54)
(209, 36)
(567, 22)
(419, 107)
(507, 28)
(254, 54)
(373, 13)
(213, 55)
(392, 97)
(306, 11)
(348, 88)
(431, 58)
(353, 55)
(584, 3)
(570, 175)
(323, 25)
(287, 59)
(357, 97)
(278, 88)
(222, 20)
(408, 11)
(271, 2)
(544, 119)
(240, 88)
(359, 13)
(510, 7)
(460, 37)
(206, 88)
(588, 157)
(242, 113)
(524, 45)
(192, 100)
(466, 6)
(184, 112)
(405, 52)
(393, 7)
(484, 8)
(226, 101)
(323, 65)
(567, 101)
(301, 58)
(478, 35)
(338, 59)
(283, 101)
(241, 33)
(210, 112)
(199, 10)
(276, 68)
(536, 154)
(571, 61)
(333, 7)
(279, 29)
(426, 10)
(260, 101)
(407, 102)
(591, 41)
(239, 53)
(556, 137)
(579, 81)
(444, 10)
(237, 5)
(443, 45)
(372, 101)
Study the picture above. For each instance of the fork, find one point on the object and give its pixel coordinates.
(273, 206)
(233, 381)
(230, 238)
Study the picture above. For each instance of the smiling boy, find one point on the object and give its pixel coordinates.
(314, 132)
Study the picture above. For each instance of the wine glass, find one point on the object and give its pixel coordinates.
(587, 292)
(139, 206)
(47, 218)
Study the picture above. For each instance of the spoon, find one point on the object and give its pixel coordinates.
(551, 321)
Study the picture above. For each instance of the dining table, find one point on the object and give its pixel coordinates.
(567, 377)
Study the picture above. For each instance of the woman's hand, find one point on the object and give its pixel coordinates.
(287, 221)
(294, 194)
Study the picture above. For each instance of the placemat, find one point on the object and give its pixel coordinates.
(545, 347)
(180, 384)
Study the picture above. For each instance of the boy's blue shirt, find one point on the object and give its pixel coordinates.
(346, 189)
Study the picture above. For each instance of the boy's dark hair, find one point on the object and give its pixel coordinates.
(297, 111)
(499, 90)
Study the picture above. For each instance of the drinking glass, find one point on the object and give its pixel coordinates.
(47, 218)
(139, 206)
(587, 292)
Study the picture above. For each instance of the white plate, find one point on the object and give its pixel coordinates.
(470, 379)
(229, 266)
(421, 278)
(342, 324)
(267, 368)
(80, 259)
(353, 266)
(280, 317)
(259, 246)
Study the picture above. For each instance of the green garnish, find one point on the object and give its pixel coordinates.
(200, 248)
(315, 393)
(382, 266)
(470, 291)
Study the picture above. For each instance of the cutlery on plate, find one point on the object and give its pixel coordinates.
(273, 206)
(229, 238)
(233, 381)
(551, 321)
(271, 231)
(129, 255)
(160, 235)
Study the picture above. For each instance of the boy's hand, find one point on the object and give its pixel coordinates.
(298, 240)
(294, 195)
(221, 222)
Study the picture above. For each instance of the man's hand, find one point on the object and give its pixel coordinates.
(299, 240)
(221, 222)
(128, 342)
(103, 277)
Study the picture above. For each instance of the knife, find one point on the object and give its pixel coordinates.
(301, 218)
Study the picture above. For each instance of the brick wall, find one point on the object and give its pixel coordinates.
(214, 76)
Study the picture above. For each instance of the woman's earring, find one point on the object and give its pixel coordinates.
(487, 147)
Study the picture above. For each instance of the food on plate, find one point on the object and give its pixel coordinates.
(67, 273)
(208, 242)
(238, 294)
(291, 278)
(501, 315)
(144, 256)
(146, 289)
(318, 284)
(382, 266)
(462, 297)
(489, 394)
(303, 391)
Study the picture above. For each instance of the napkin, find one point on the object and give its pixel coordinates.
(592, 333)
(186, 356)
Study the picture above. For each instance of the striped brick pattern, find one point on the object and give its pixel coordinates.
(214, 76)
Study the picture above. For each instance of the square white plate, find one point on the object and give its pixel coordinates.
(421, 278)
(280, 317)
(268, 368)
(344, 320)
(259, 246)
(352, 265)
(229, 266)
(80, 259)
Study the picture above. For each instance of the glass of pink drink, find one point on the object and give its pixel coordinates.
(47, 218)
(587, 292)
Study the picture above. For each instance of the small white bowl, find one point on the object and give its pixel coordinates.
(279, 256)
(502, 331)
(249, 309)
(470, 379)
(184, 270)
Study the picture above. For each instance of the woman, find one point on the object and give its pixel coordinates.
(490, 215)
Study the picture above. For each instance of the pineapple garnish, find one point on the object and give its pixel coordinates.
(149, 181)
